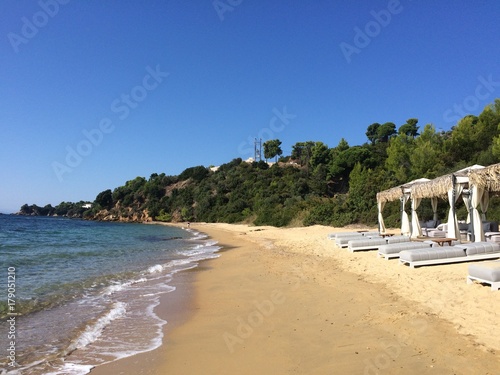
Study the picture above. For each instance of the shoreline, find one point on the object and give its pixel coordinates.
(288, 301)
(176, 308)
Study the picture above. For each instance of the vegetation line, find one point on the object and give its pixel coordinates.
(315, 184)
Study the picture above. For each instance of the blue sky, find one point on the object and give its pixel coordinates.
(95, 93)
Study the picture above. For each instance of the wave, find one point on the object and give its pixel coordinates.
(196, 235)
(155, 269)
(118, 286)
(73, 369)
(95, 330)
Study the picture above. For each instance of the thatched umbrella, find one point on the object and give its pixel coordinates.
(483, 181)
(401, 192)
(488, 178)
(449, 186)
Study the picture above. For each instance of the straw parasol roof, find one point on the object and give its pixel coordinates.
(397, 192)
(440, 186)
(435, 188)
(487, 178)
(389, 195)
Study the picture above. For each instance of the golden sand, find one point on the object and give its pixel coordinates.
(288, 301)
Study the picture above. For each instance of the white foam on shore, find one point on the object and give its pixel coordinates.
(196, 252)
(153, 344)
(196, 235)
(73, 369)
(120, 286)
(155, 269)
(94, 331)
(207, 244)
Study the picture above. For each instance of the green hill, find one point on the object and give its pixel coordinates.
(315, 184)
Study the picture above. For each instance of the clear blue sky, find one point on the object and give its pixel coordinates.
(159, 86)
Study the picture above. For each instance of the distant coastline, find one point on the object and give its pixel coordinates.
(84, 213)
(79, 210)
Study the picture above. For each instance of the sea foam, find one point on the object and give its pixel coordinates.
(95, 330)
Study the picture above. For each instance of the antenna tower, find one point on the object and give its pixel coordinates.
(258, 149)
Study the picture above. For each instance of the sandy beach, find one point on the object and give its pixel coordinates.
(288, 301)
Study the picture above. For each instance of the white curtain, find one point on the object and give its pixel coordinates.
(453, 231)
(381, 223)
(434, 204)
(405, 222)
(477, 196)
(466, 199)
(485, 202)
(415, 224)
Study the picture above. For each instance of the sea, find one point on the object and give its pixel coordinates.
(76, 294)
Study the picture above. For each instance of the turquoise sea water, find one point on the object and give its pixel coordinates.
(85, 291)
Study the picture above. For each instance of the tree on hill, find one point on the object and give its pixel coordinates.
(320, 155)
(301, 151)
(410, 128)
(386, 131)
(398, 157)
(196, 173)
(380, 133)
(272, 149)
(343, 160)
(105, 199)
(426, 158)
(372, 132)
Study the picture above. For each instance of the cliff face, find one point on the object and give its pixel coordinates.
(71, 210)
(123, 215)
(116, 213)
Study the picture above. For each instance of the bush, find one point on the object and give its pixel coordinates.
(196, 173)
(321, 212)
(164, 216)
(105, 199)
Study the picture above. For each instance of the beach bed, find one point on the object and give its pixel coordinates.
(343, 241)
(374, 243)
(486, 272)
(450, 254)
(390, 251)
(333, 236)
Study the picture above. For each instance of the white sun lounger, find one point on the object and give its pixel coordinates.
(352, 234)
(375, 243)
(333, 236)
(450, 254)
(392, 250)
(485, 272)
(342, 241)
